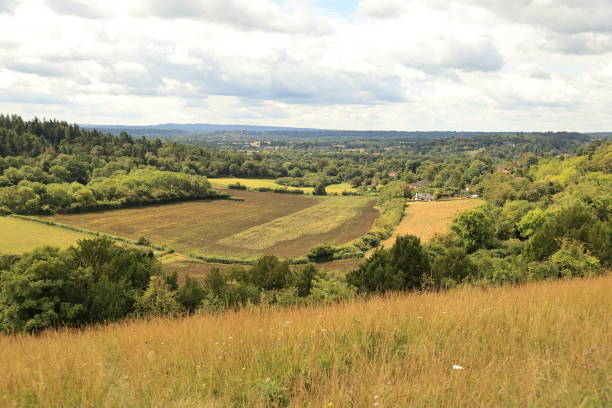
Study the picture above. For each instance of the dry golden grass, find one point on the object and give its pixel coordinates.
(424, 219)
(541, 345)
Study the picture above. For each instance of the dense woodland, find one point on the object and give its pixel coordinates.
(547, 216)
(53, 166)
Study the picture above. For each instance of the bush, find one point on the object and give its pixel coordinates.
(237, 186)
(321, 253)
(327, 289)
(319, 190)
(158, 299)
(191, 294)
(403, 267)
(454, 265)
(572, 259)
(92, 282)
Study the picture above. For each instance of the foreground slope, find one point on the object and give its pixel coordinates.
(541, 345)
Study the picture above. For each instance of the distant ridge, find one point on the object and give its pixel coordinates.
(200, 128)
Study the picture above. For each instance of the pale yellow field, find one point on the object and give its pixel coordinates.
(541, 345)
(253, 183)
(268, 183)
(19, 236)
(424, 219)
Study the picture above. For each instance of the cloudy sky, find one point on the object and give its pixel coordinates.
(342, 64)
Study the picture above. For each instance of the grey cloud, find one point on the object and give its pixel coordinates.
(77, 8)
(448, 54)
(564, 16)
(41, 69)
(244, 14)
(283, 79)
(582, 43)
(381, 8)
(7, 6)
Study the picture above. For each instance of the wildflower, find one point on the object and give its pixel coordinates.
(376, 404)
(420, 317)
(330, 404)
(243, 368)
(457, 367)
(376, 396)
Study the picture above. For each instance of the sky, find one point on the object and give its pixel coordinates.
(481, 65)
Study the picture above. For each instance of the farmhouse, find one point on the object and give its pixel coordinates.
(424, 197)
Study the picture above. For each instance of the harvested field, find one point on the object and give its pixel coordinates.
(425, 218)
(18, 236)
(265, 223)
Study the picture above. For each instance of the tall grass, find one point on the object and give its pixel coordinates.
(541, 345)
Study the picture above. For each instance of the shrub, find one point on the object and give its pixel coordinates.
(403, 267)
(191, 294)
(319, 190)
(330, 289)
(158, 299)
(321, 253)
(572, 259)
(237, 186)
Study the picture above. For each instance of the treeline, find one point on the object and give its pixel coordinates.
(137, 187)
(56, 152)
(97, 282)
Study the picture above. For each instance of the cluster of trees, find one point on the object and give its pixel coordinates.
(97, 281)
(563, 231)
(137, 187)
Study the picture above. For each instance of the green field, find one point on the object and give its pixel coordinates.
(269, 183)
(286, 225)
(18, 236)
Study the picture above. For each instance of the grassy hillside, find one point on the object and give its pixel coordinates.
(541, 345)
(282, 224)
(424, 219)
(19, 236)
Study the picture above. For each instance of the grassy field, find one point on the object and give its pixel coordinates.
(281, 224)
(425, 218)
(253, 183)
(19, 236)
(540, 345)
(268, 183)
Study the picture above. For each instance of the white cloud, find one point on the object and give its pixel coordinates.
(393, 64)
(248, 15)
(78, 8)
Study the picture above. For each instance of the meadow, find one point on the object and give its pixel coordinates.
(18, 236)
(426, 218)
(264, 223)
(540, 345)
(269, 183)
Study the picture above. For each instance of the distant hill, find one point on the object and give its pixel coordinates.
(177, 129)
(201, 131)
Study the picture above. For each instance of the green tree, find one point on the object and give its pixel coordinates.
(191, 294)
(475, 229)
(403, 267)
(319, 190)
